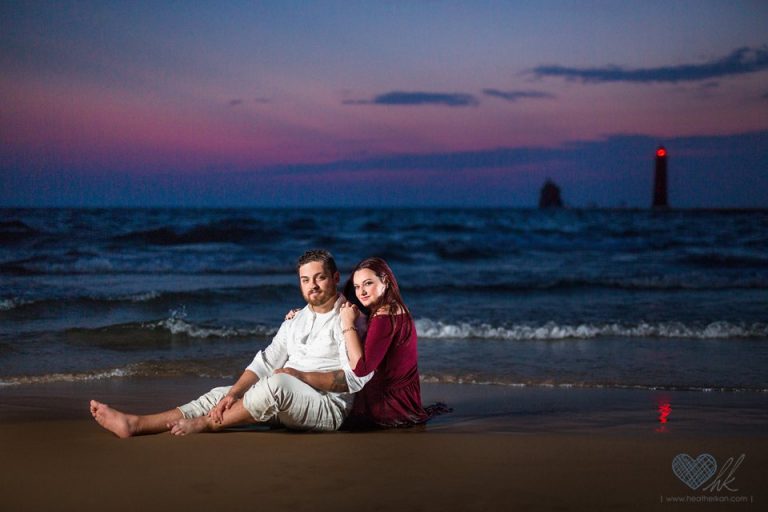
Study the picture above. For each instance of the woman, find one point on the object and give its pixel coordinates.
(392, 398)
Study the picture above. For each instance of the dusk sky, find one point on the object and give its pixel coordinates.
(472, 103)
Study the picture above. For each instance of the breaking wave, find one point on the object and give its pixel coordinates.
(430, 329)
(212, 368)
(12, 303)
(66, 377)
(177, 326)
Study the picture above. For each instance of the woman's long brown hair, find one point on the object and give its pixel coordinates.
(391, 298)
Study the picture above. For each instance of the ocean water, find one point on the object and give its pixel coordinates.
(621, 299)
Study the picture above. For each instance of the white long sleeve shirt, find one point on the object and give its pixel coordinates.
(311, 342)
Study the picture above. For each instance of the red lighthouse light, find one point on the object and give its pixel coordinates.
(660, 179)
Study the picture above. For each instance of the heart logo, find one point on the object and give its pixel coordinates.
(694, 472)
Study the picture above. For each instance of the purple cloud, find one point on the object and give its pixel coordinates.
(517, 95)
(402, 98)
(740, 61)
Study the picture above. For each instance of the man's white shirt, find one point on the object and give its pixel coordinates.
(312, 342)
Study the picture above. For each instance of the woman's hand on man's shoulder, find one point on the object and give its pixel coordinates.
(388, 310)
(348, 314)
(292, 313)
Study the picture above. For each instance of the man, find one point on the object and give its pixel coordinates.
(302, 380)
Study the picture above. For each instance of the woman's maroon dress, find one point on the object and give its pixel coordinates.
(392, 398)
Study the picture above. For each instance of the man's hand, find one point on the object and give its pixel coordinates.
(217, 413)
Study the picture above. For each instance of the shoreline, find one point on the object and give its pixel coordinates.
(479, 408)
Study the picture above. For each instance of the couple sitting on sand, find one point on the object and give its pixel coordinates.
(307, 377)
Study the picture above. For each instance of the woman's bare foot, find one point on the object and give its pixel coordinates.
(183, 427)
(121, 424)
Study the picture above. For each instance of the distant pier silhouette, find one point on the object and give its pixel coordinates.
(550, 196)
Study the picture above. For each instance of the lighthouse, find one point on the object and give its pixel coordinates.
(660, 179)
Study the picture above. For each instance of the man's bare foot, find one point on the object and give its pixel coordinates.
(183, 427)
(121, 424)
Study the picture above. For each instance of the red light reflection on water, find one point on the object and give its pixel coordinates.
(665, 409)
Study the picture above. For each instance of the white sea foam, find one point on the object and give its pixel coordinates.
(93, 265)
(141, 297)
(177, 324)
(551, 331)
(151, 369)
(12, 303)
(135, 297)
(67, 377)
(180, 326)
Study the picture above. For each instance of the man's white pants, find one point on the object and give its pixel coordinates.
(280, 398)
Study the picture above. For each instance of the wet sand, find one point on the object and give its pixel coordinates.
(491, 453)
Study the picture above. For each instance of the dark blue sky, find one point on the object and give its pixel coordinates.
(381, 103)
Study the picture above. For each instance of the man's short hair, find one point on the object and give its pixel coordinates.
(321, 255)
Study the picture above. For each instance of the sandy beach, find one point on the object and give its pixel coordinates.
(487, 456)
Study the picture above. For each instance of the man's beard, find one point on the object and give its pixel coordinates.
(317, 299)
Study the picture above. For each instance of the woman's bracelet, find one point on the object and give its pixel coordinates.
(345, 331)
